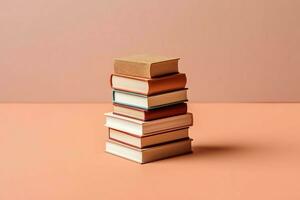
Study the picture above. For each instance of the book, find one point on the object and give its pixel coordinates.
(145, 65)
(148, 140)
(149, 154)
(146, 115)
(149, 102)
(140, 128)
(148, 86)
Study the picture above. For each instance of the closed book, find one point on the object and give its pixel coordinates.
(149, 154)
(147, 66)
(149, 102)
(147, 140)
(140, 128)
(148, 86)
(146, 115)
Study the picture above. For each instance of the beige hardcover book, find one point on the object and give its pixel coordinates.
(149, 154)
(148, 140)
(146, 66)
(140, 128)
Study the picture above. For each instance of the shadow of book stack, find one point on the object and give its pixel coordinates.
(149, 120)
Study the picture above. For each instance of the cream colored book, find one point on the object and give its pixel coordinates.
(149, 154)
(149, 102)
(140, 128)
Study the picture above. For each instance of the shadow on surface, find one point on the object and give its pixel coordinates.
(224, 151)
(220, 150)
(217, 150)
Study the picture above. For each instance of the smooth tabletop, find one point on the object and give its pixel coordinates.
(241, 151)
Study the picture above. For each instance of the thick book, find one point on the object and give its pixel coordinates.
(149, 154)
(146, 115)
(149, 102)
(140, 128)
(148, 86)
(147, 140)
(146, 65)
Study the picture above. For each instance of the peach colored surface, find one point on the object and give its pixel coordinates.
(231, 50)
(241, 151)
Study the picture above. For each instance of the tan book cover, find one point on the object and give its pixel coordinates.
(147, 66)
(148, 86)
(146, 115)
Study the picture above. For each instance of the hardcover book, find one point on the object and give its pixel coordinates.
(140, 128)
(146, 115)
(149, 154)
(148, 86)
(149, 102)
(146, 65)
(147, 140)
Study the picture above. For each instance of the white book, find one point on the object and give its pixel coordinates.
(149, 102)
(140, 128)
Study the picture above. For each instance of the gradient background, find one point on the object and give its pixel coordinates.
(231, 50)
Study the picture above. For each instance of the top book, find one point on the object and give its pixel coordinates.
(146, 66)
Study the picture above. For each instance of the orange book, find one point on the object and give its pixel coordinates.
(148, 86)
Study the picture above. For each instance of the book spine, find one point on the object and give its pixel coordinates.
(110, 80)
(164, 68)
(132, 69)
(167, 84)
(168, 111)
(113, 96)
(192, 119)
(124, 143)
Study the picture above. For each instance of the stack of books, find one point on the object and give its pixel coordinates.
(149, 119)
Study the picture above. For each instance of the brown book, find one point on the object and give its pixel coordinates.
(151, 153)
(141, 114)
(148, 140)
(146, 66)
(148, 86)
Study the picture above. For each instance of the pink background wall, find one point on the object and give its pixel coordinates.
(231, 50)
